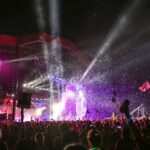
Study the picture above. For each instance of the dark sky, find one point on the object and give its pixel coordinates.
(80, 20)
(76, 16)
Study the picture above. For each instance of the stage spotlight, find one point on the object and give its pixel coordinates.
(39, 111)
(57, 109)
(24, 85)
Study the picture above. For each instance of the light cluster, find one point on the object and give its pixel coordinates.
(35, 88)
(72, 105)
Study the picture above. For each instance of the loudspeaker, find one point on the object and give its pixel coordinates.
(24, 99)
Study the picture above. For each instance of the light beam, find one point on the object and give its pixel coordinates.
(116, 31)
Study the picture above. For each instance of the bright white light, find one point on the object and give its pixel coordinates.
(80, 105)
(34, 81)
(24, 85)
(80, 101)
(27, 117)
(40, 81)
(57, 109)
(39, 111)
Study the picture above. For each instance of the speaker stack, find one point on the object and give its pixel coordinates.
(24, 100)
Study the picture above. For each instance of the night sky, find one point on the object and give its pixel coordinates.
(77, 17)
(87, 23)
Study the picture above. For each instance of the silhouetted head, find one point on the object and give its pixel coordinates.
(94, 137)
(39, 138)
(74, 146)
(63, 127)
(125, 106)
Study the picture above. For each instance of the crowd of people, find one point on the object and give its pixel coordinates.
(122, 133)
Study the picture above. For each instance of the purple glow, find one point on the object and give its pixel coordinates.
(80, 106)
(71, 87)
(72, 105)
(58, 108)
